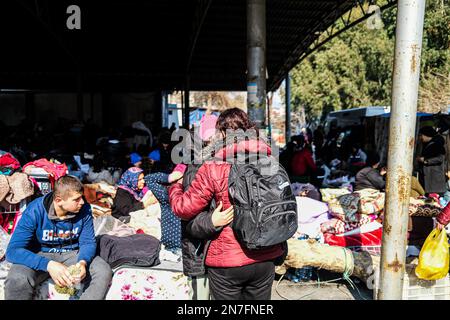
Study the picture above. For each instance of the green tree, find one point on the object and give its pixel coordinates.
(355, 69)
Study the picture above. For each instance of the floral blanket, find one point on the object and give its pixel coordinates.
(349, 207)
(129, 284)
(149, 284)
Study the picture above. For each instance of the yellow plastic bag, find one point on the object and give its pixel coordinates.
(434, 256)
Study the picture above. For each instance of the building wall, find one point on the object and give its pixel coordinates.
(122, 109)
(12, 109)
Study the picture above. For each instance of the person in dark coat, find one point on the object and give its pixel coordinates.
(370, 176)
(196, 236)
(432, 161)
(286, 156)
(197, 233)
(161, 156)
(234, 271)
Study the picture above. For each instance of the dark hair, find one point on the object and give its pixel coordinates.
(234, 119)
(66, 185)
(165, 137)
(146, 166)
(428, 131)
(299, 140)
(98, 163)
(372, 159)
(356, 145)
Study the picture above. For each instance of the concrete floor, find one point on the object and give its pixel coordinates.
(339, 290)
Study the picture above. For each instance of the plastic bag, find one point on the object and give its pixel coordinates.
(434, 257)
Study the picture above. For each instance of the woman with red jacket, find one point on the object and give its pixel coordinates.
(302, 162)
(234, 271)
(443, 218)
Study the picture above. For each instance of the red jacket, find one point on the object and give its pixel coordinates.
(211, 182)
(303, 163)
(444, 216)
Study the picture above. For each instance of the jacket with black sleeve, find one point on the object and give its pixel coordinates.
(196, 234)
(124, 203)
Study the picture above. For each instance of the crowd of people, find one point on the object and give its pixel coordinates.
(309, 158)
(196, 208)
(196, 214)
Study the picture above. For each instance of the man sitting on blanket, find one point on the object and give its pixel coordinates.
(55, 232)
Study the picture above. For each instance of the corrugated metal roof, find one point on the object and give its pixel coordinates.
(144, 44)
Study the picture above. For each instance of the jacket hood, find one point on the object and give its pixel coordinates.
(243, 147)
(239, 143)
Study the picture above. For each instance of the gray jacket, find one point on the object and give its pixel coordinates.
(369, 178)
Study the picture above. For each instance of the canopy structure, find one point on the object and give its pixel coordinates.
(142, 45)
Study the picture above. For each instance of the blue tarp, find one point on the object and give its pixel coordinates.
(419, 114)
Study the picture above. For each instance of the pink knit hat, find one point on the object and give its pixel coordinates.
(207, 126)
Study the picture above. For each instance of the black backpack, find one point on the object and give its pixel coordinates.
(265, 209)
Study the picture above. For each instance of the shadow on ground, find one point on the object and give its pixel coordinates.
(318, 289)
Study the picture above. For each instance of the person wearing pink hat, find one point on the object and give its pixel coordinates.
(234, 271)
(198, 232)
(207, 127)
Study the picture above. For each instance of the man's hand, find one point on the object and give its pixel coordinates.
(60, 274)
(222, 218)
(383, 171)
(421, 159)
(82, 266)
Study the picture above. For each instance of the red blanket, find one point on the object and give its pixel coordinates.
(7, 160)
(358, 240)
(55, 170)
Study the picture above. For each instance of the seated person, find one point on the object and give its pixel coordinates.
(302, 164)
(161, 155)
(129, 194)
(147, 166)
(357, 156)
(135, 160)
(154, 157)
(99, 173)
(370, 176)
(357, 159)
(55, 232)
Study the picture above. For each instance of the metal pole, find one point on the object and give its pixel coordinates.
(186, 104)
(269, 121)
(408, 46)
(288, 107)
(164, 107)
(256, 61)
